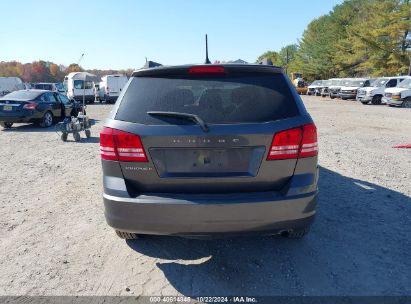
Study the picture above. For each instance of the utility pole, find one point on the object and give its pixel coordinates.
(409, 67)
(286, 60)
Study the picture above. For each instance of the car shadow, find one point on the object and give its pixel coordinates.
(83, 140)
(358, 245)
(31, 127)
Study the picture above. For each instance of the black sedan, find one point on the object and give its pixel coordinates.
(39, 106)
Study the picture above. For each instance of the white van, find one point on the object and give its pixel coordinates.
(79, 85)
(10, 84)
(375, 91)
(111, 87)
(400, 95)
(49, 86)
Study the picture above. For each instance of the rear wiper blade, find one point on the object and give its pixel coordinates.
(186, 116)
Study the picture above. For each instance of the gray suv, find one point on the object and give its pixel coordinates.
(209, 149)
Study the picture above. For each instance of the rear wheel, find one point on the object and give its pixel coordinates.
(376, 100)
(364, 102)
(6, 125)
(47, 120)
(127, 235)
(406, 103)
(332, 97)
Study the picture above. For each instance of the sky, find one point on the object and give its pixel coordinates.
(120, 34)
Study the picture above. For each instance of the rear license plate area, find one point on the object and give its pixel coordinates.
(193, 162)
(7, 108)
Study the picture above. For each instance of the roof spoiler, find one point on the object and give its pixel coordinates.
(266, 61)
(151, 64)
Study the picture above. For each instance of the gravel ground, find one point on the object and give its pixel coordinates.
(54, 239)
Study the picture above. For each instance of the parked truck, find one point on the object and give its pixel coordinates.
(10, 84)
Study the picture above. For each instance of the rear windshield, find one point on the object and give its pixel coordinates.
(219, 100)
(22, 95)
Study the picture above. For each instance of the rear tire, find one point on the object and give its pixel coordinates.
(332, 97)
(47, 120)
(6, 125)
(297, 234)
(127, 235)
(376, 100)
(364, 102)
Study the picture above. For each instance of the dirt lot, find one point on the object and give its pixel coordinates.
(54, 239)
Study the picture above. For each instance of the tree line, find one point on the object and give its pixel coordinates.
(45, 71)
(357, 38)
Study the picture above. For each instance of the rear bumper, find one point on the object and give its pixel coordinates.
(267, 212)
(35, 117)
(87, 98)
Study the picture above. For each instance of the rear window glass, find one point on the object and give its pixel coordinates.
(79, 84)
(22, 95)
(219, 100)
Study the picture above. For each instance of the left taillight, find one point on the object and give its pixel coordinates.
(30, 106)
(121, 146)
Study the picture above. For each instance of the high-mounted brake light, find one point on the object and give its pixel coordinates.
(30, 106)
(208, 69)
(121, 146)
(294, 143)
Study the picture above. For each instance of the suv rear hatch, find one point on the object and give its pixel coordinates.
(161, 146)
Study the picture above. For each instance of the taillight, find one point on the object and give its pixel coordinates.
(294, 143)
(285, 145)
(30, 106)
(309, 144)
(207, 69)
(121, 146)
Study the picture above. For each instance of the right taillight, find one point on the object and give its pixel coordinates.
(285, 145)
(294, 143)
(121, 146)
(309, 144)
